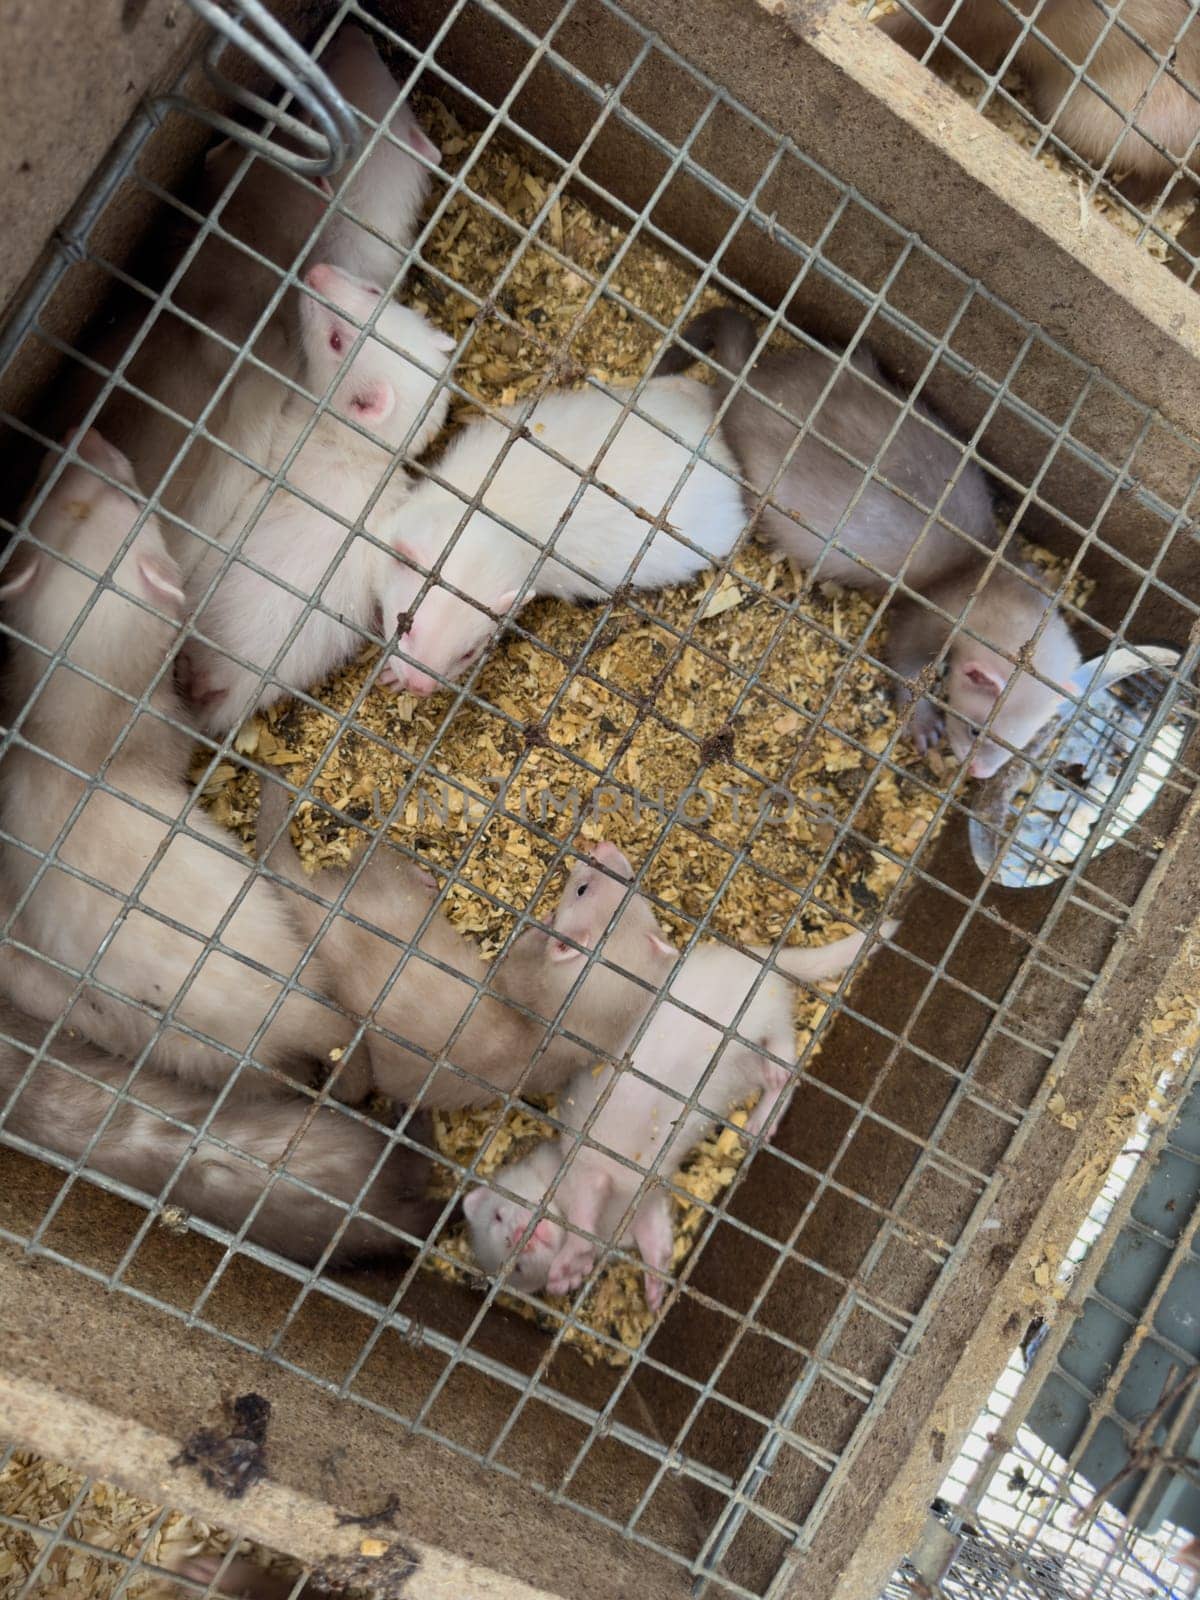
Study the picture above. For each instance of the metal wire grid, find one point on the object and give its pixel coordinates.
(44, 1542)
(1059, 817)
(51, 1544)
(931, 1155)
(1103, 178)
(1025, 1523)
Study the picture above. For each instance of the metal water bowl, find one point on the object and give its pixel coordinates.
(1098, 772)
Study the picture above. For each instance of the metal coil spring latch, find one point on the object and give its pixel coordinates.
(328, 139)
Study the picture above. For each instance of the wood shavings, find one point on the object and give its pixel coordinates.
(40, 1491)
(723, 700)
(527, 323)
(1056, 1105)
(1049, 1282)
(724, 598)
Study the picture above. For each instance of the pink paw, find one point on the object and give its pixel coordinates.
(391, 675)
(203, 1569)
(925, 726)
(655, 1291)
(570, 1267)
(184, 673)
(196, 681)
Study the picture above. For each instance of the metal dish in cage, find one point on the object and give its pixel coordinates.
(1101, 768)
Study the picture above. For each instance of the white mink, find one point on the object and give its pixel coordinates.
(128, 626)
(828, 478)
(74, 1087)
(645, 1120)
(1116, 64)
(180, 366)
(541, 970)
(409, 1026)
(1005, 611)
(250, 615)
(818, 487)
(281, 216)
(532, 491)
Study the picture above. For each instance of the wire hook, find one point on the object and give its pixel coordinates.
(328, 140)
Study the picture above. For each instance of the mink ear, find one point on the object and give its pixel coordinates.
(423, 876)
(373, 402)
(410, 132)
(160, 579)
(322, 277)
(474, 1201)
(19, 574)
(443, 341)
(502, 602)
(662, 947)
(983, 678)
(611, 855)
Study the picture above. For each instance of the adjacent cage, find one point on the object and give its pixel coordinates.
(64, 1530)
(1079, 1476)
(737, 737)
(1105, 94)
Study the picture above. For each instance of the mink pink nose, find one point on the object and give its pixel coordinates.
(322, 278)
(980, 768)
(417, 682)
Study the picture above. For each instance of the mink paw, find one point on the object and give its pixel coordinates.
(925, 726)
(570, 1267)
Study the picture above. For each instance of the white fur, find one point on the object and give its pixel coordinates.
(645, 1119)
(531, 491)
(1004, 610)
(196, 879)
(249, 616)
(974, 682)
(227, 290)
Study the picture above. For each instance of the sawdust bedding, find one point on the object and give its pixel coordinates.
(591, 724)
(636, 707)
(41, 1492)
(573, 713)
(1169, 218)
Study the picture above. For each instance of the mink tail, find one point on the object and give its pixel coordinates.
(722, 333)
(304, 1174)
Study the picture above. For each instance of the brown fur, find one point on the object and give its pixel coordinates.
(884, 533)
(369, 944)
(74, 1087)
(1169, 113)
(889, 533)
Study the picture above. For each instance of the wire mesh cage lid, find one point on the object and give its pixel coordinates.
(1099, 768)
